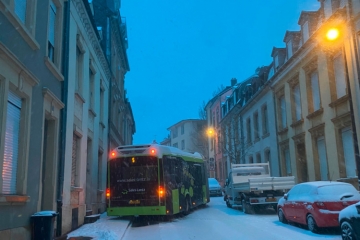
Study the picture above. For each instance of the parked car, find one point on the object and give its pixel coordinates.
(316, 204)
(214, 187)
(349, 220)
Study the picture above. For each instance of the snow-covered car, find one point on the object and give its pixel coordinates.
(214, 187)
(349, 220)
(316, 204)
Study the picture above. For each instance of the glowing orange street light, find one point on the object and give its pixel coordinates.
(332, 34)
(210, 132)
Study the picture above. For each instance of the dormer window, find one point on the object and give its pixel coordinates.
(305, 31)
(327, 8)
(289, 49)
(276, 61)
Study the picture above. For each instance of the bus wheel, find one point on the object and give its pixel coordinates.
(187, 205)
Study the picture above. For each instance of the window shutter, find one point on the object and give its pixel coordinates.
(322, 158)
(11, 148)
(315, 90)
(339, 72)
(349, 155)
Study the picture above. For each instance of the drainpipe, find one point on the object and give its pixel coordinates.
(64, 95)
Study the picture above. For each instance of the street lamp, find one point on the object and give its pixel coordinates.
(211, 133)
(333, 35)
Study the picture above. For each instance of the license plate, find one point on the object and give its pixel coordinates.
(270, 200)
(134, 202)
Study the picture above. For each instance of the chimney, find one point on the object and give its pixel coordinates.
(233, 82)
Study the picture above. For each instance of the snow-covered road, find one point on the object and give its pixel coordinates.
(215, 221)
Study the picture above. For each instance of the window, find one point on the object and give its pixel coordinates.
(92, 90)
(256, 125)
(248, 130)
(182, 144)
(339, 75)
(11, 144)
(289, 49)
(282, 112)
(175, 145)
(75, 160)
(267, 156)
(265, 121)
(51, 31)
(175, 132)
(100, 171)
(79, 70)
(182, 129)
(321, 150)
(305, 31)
(276, 61)
(251, 160)
(101, 104)
(297, 102)
(287, 161)
(20, 7)
(258, 158)
(348, 148)
(315, 91)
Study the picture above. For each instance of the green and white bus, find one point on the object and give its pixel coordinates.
(145, 180)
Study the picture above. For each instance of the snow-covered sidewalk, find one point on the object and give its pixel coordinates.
(106, 228)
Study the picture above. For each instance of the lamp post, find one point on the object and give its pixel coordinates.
(333, 35)
(211, 133)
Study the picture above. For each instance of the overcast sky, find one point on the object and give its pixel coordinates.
(180, 52)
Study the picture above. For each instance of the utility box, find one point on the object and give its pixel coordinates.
(42, 225)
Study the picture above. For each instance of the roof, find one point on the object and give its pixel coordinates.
(186, 120)
(160, 150)
(304, 16)
(290, 34)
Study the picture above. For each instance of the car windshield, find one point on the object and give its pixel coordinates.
(337, 190)
(213, 181)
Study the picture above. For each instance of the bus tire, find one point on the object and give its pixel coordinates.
(187, 205)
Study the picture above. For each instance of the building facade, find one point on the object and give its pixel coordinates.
(189, 135)
(217, 162)
(31, 82)
(313, 99)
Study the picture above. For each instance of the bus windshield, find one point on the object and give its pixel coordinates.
(134, 181)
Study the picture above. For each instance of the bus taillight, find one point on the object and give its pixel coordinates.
(108, 193)
(161, 191)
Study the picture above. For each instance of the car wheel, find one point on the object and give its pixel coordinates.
(281, 216)
(228, 203)
(311, 224)
(246, 207)
(347, 233)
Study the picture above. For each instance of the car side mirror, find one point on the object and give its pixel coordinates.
(286, 196)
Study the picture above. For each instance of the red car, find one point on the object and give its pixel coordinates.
(316, 204)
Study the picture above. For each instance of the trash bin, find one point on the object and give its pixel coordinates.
(42, 225)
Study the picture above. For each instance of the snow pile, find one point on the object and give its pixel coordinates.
(106, 228)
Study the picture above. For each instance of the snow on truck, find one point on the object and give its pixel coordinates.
(251, 187)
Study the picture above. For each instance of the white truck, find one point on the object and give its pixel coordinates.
(251, 187)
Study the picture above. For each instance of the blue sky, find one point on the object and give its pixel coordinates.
(180, 52)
